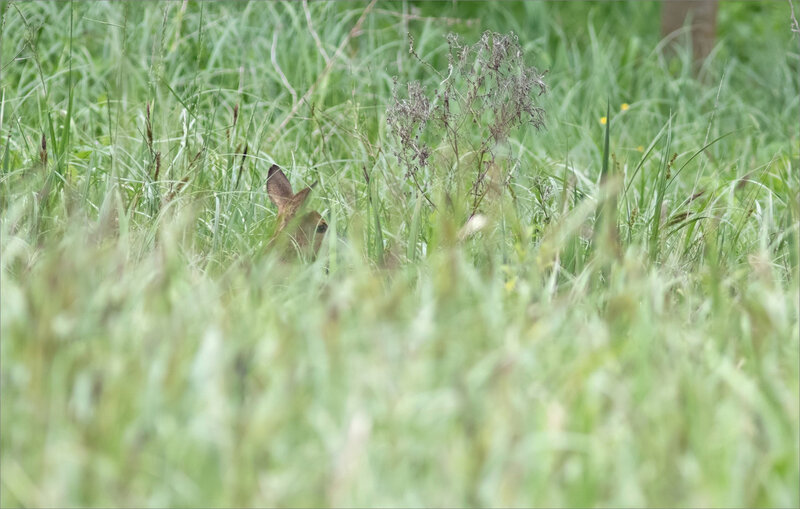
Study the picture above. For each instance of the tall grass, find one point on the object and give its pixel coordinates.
(622, 330)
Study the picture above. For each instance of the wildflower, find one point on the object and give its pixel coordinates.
(624, 106)
(603, 120)
(640, 148)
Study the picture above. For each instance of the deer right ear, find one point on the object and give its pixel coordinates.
(278, 187)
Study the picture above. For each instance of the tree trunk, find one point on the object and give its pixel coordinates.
(702, 15)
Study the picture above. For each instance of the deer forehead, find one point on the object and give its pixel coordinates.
(313, 217)
(305, 222)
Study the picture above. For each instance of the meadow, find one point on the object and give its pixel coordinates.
(609, 318)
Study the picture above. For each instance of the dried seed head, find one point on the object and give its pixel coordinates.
(148, 127)
(43, 151)
(486, 93)
(158, 166)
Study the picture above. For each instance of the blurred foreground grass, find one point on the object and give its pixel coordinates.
(155, 353)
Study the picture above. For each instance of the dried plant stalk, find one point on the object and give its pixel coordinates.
(487, 93)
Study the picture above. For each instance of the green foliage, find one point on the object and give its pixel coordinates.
(617, 327)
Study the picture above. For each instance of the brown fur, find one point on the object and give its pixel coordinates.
(306, 230)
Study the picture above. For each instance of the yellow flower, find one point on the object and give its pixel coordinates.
(603, 120)
(640, 148)
(624, 106)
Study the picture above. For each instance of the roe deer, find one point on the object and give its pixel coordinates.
(306, 230)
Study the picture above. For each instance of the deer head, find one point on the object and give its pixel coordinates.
(304, 229)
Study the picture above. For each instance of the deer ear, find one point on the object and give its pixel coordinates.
(300, 197)
(293, 204)
(278, 187)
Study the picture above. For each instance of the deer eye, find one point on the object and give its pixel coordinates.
(322, 228)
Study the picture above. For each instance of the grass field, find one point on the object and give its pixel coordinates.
(623, 330)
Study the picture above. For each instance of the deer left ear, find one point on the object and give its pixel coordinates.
(279, 189)
(301, 197)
